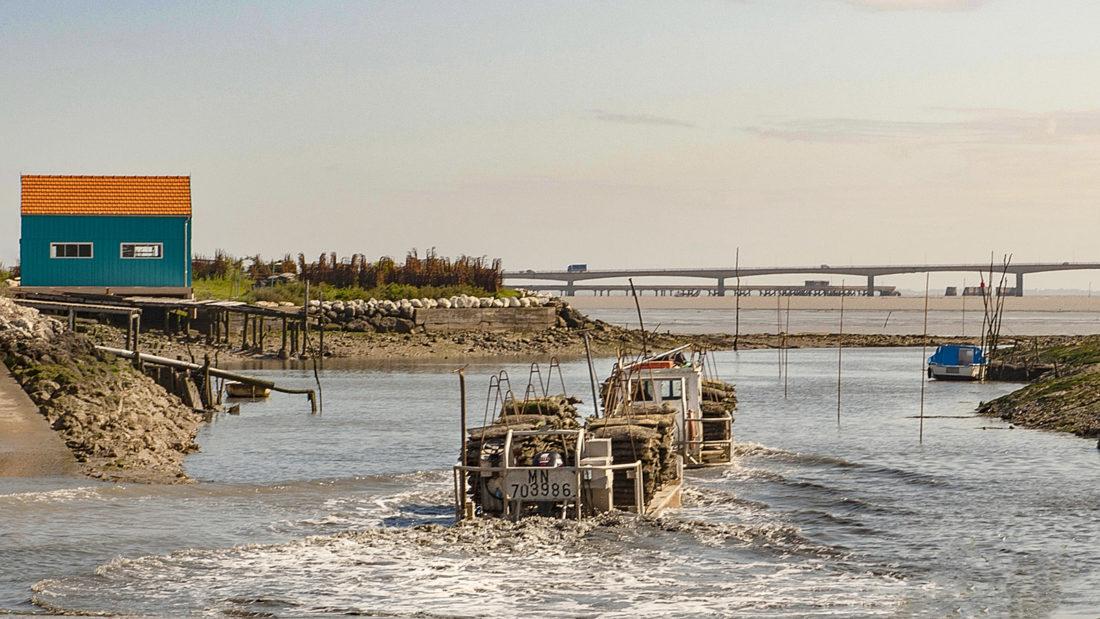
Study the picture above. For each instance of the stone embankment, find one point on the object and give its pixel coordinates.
(118, 423)
(409, 315)
(1065, 398)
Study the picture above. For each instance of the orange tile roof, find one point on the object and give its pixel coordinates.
(107, 195)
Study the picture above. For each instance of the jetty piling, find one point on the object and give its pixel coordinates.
(179, 364)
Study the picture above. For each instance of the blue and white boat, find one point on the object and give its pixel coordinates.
(957, 362)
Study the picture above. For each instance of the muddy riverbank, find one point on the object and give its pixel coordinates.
(1066, 397)
(565, 339)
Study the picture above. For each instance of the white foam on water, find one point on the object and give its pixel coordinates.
(611, 566)
(63, 495)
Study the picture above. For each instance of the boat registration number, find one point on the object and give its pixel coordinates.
(542, 484)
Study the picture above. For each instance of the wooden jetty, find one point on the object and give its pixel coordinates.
(217, 322)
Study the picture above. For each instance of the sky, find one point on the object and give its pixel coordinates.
(617, 134)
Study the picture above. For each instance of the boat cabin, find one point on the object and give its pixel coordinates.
(957, 362)
(674, 381)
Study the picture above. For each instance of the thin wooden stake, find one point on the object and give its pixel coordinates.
(321, 327)
(779, 331)
(839, 353)
(786, 349)
(305, 321)
(641, 325)
(462, 429)
(923, 357)
(964, 307)
(737, 298)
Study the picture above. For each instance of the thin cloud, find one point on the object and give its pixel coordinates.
(917, 5)
(977, 126)
(640, 119)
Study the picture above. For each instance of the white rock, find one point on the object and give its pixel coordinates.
(417, 303)
(444, 303)
(499, 303)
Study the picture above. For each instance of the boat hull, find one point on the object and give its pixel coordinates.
(955, 372)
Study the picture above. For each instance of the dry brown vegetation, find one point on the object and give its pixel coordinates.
(358, 272)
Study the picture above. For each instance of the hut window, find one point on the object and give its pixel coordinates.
(142, 250)
(70, 250)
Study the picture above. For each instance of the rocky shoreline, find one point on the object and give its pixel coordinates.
(118, 423)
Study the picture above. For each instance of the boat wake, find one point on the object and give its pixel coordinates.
(612, 565)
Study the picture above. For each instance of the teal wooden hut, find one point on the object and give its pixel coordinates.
(128, 235)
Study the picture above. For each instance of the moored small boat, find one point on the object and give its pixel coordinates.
(245, 390)
(957, 362)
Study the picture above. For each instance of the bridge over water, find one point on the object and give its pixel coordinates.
(724, 275)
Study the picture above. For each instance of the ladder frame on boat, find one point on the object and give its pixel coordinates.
(581, 473)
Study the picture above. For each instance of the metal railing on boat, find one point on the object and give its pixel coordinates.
(460, 471)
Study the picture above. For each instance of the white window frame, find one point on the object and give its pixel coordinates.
(160, 251)
(54, 246)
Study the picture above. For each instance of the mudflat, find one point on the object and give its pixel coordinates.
(935, 303)
(28, 446)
